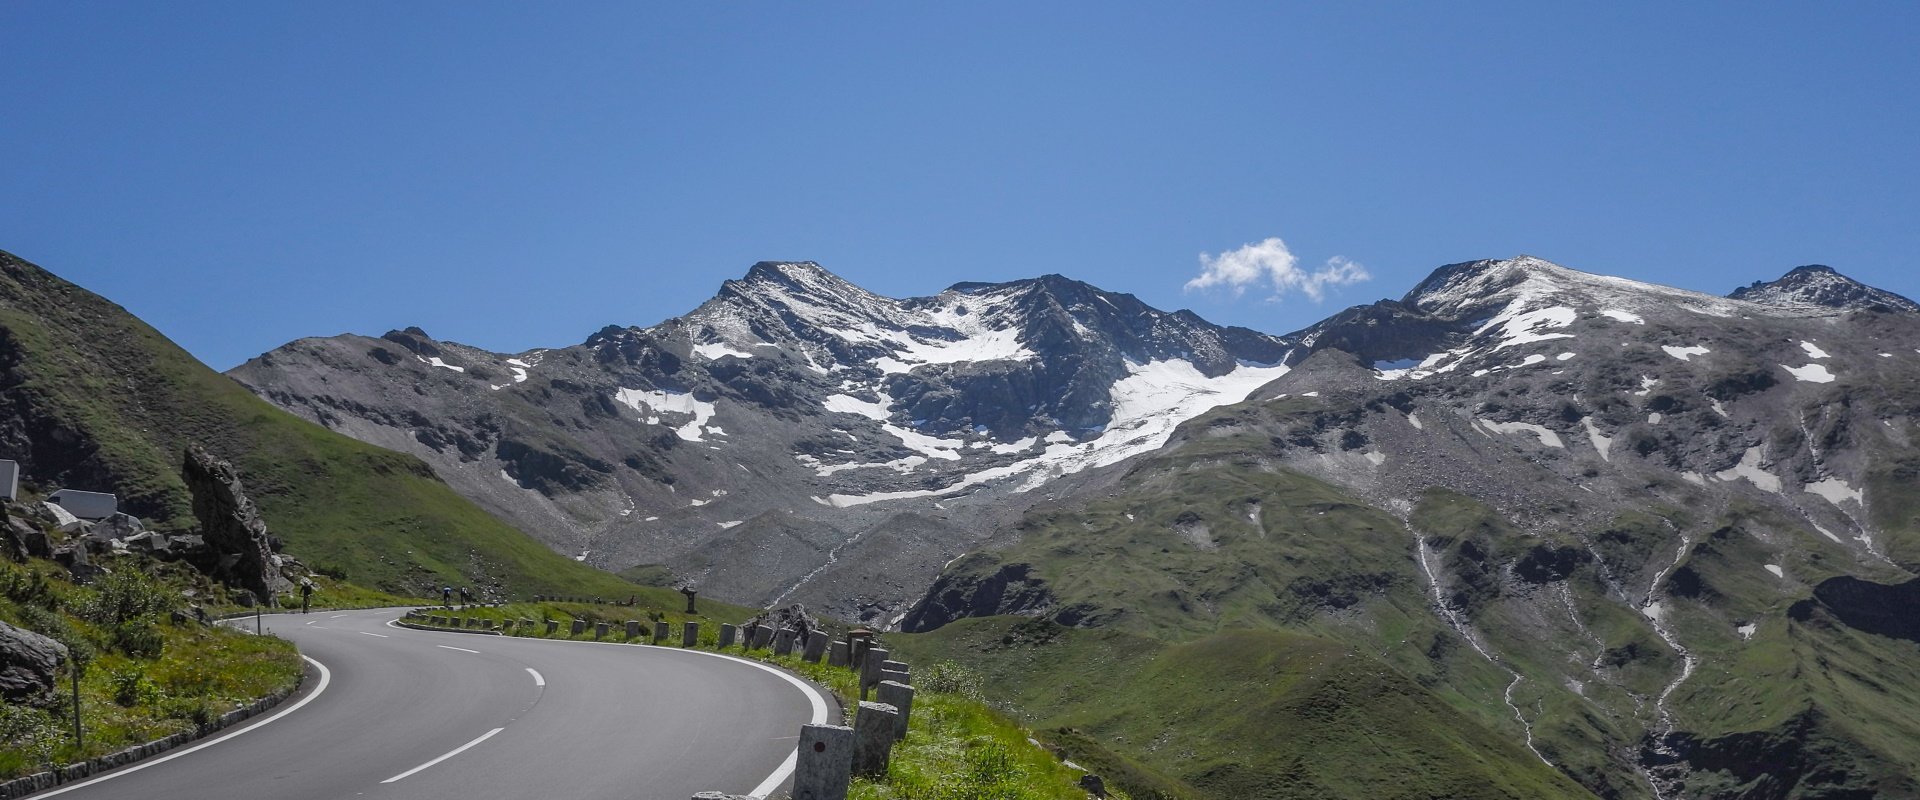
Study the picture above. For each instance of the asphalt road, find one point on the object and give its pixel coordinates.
(390, 713)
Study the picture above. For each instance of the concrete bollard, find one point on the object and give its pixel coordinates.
(870, 670)
(553, 627)
(527, 625)
(633, 629)
(816, 647)
(661, 630)
(579, 627)
(689, 634)
(783, 642)
(825, 763)
(873, 738)
(762, 636)
(599, 630)
(900, 696)
(727, 632)
(857, 656)
(837, 654)
(896, 676)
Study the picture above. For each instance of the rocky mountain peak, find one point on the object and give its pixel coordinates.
(1819, 285)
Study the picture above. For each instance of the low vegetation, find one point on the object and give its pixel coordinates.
(144, 674)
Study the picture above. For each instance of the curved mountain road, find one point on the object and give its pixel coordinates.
(401, 713)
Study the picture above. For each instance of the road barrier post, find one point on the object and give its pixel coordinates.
(727, 634)
(689, 634)
(783, 642)
(816, 647)
(900, 696)
(599, 630)
(825, 763)
(579, 627)
(837, 654)
(633, 629)
(762, 636)
(553, 627)
(873, 738)
(661, 630)
(870, 670)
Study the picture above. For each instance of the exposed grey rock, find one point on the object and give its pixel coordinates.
(231, 526)
(29, 663)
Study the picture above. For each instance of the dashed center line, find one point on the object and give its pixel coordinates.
(369, 633)
(456, 751)
(541, 681)
(461, 649)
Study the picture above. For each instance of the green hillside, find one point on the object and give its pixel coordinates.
(91, 397)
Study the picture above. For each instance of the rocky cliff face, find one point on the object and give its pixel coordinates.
(231, 527)
(1642, 529)
(794, 438)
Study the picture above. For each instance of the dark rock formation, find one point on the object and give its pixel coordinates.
(231, 526)
(28, 663)
(969, 590)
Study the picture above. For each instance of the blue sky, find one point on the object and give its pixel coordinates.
(515, 176)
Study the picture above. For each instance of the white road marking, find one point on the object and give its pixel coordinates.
(310, 623)
(456, 751)
(365, 633)
(461, 649)
(326, 677)
(537, 679)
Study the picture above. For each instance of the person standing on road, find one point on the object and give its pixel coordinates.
(446, 596)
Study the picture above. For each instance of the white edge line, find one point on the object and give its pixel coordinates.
(454, 752)
(368, 633)
(326, 677)
(538, 679)
(461, 649)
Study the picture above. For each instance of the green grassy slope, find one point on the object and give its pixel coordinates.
(1246, 713)
(98, 399)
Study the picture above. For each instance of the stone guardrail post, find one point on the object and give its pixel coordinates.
(661, 630)
(689, 634)
(825, 765)
(553, 626)
(727, 632)
(633, 629)
(527, 625)
(857, 657)
(837, 654)
(579, 627)
(870, 670)
(900, 696)
(873, 738)
(816, 647)
(783, 642)
(762, 636)
(599, 630)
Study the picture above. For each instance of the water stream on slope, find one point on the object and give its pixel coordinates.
(1459, 624)
(1652, 609)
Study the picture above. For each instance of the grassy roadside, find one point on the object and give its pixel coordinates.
(143, 676)
(957, 746)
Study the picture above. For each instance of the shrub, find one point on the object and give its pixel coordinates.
(131, 688)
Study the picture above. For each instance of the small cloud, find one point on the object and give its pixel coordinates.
(1270, 263)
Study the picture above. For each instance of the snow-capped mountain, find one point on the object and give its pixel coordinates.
(1660, 537)
(787, 424)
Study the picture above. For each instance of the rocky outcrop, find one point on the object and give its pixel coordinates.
(230, 525)
(977, 590)
(28, 665)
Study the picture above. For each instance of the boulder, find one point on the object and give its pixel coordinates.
(73, 556)
(230, 525)
(148, 542)
(28, 665)
(32, 538)
(118, 526)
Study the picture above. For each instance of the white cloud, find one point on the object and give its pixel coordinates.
(1269, 262)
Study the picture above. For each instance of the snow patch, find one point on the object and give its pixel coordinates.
(1813, 350)
(1547, 438)
(1776, 570)
(848, 404)
(1836, 491)
(728, 524)
(1623, 316)
(714, 351)
(1602, 443)
(1747, 630)
(667, 402)
(436, 362)
(1811, 373)
(1749, 469)
(1685, 353)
